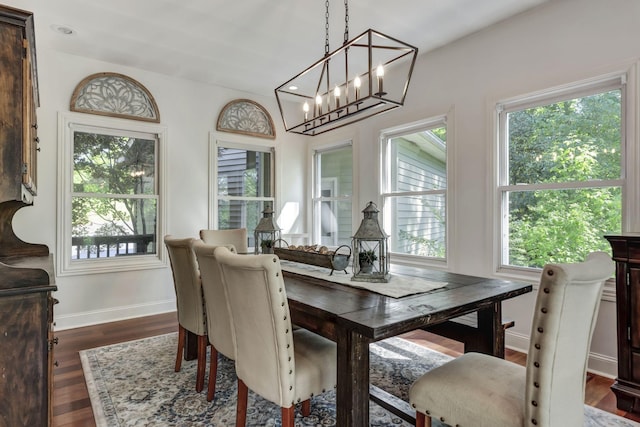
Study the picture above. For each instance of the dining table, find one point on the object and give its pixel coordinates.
(354, 317)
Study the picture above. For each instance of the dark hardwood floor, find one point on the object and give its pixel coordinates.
(72, 407)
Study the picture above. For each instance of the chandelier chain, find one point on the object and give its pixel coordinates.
(326, 28)
(346, 21)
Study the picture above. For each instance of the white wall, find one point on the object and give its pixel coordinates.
(557, 43)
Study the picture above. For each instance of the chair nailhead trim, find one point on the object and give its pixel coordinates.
(427, 412)
(546, 290)
(534, 421)
(537, 346)
(278, 274)
(534, 403)
(540, 329)
(544, 310)
(536, 364)
(274, 260)
(550, 273)
(442, 419)
(536, 385)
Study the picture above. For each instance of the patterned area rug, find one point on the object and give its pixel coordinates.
(133, 384)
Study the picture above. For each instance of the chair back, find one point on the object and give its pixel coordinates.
(187, 284)
(235, 236)
(215, 299)
(564, 318)
(261, 321)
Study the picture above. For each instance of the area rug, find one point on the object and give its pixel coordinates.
(134, 384)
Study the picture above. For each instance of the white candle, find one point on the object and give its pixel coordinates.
(319, 104)
(380, 75)
(336, 94)
(305, 108)
(356, 84)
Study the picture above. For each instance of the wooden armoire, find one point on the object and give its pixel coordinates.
(26, 269)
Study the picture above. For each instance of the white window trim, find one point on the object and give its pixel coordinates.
(214, 142)
(65, 266)
(447, 120)
(316, 186)
(629, 77)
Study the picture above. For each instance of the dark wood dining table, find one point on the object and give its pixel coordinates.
(354, 318)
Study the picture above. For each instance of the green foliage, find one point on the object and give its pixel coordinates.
(367, 257)
(573, 141)
(108, 170)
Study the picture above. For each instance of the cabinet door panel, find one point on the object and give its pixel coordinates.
(634, 306)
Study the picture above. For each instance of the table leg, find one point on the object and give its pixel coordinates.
(491, 339)
(352, 393)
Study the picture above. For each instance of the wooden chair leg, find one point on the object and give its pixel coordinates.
(306, 408)
(241, 405)
(422, 420)
(213, 372)
(181, 338)
(202, 361)
(289, 416)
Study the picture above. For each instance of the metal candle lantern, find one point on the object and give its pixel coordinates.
(370, 249)
(266, 232)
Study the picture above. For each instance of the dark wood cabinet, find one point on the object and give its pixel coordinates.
(626, 254)
(26, 269)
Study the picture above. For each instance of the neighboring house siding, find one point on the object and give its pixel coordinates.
(418, 171)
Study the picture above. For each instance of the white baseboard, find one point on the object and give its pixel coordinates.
(599, 364)
(87, 318)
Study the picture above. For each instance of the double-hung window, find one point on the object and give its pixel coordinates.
(332, 194)
(243, 179)
(414, 189)
(560, 173)
(111, 204)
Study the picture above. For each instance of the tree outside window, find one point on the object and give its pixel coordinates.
(561, 184)
(114, 197)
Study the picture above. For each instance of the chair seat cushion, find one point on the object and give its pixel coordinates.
(472, 390)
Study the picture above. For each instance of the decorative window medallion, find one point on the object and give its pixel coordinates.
(246, 117)
(115, 95)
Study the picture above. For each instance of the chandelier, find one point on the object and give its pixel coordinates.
(367, 76)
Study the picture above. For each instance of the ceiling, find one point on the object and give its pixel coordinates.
(250, 45)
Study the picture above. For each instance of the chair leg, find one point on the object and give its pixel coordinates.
(306, 408)
(181, 338)
(241, 405)
(202, 361)
(289, 416)
(422, 420)
(213, 372)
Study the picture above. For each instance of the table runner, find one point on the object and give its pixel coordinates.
(397, 287)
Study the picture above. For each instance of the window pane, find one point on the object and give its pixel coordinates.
(240, 214)
(336, 172)
(109, 227)
(335, 223)
(574, 140)
(560, 225)
(417, 225)
(244, 173)
(420, 161)
(108, 164)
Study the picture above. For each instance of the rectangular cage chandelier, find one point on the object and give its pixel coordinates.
(367, 76)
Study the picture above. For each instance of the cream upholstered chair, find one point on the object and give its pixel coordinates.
(190, 303)
(279, 364)
(218, 315)
(481, 391)
(235, 236)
